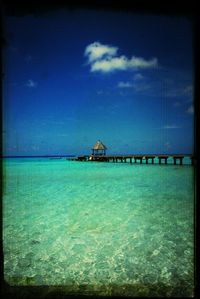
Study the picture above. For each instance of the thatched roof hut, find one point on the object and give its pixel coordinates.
(99, 148)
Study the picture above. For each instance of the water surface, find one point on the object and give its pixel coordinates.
(99, 228)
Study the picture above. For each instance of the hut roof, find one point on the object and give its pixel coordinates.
(99, 146)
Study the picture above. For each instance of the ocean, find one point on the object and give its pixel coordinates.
(99, 228)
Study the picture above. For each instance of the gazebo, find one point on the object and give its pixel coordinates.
(99, 149)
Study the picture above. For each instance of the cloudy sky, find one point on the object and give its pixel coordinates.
(72, 78)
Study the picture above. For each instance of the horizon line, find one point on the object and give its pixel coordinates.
(47, 156)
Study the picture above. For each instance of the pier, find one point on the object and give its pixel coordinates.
(141, 159)
(99, 155)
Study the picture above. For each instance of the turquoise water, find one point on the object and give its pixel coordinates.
(99, 228)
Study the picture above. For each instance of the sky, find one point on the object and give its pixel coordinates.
(75, 77)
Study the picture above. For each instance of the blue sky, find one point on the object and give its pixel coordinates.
(72, 78)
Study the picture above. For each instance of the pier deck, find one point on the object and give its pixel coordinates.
(134, 158)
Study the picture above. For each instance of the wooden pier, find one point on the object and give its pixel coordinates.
(142, 159)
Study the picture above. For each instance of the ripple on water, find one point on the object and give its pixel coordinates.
(101, 227)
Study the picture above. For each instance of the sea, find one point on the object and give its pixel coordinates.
(99, 228)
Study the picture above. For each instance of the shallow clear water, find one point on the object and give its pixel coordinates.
(99, 228)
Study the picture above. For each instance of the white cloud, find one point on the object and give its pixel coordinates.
(178, 89)
(103, 58)
(138, 62)
(124, 84)
(138, 84)
(138, 77)
(96, 51)
(109, 64)
(31, 83)
(190, 110)
(121, 63)
(171, 127)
